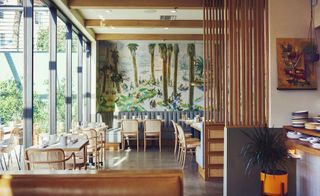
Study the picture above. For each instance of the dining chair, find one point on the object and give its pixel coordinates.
(7, 146)
(53, 159)
(185, 146)
(188, 138)
(94, 148)
(129, 130)
(18, 134)
(152, 131)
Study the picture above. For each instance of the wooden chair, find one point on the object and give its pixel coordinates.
(18, 134)
(188, 137)
(53, 159)
(94, 148)
(152, 131)
(185, 146)
(129, 129)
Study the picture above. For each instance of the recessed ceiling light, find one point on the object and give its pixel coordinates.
(150, 11)
(166, 28)
(174, 10)
(108, 11)
(112, 27)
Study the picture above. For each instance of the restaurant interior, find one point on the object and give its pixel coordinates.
(165, 97)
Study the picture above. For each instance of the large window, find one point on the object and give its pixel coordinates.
(11, 66)
(74, 79)
(14, 63)
(61, 76)
(41, 71)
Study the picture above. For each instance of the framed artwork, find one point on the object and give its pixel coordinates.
(295, 72)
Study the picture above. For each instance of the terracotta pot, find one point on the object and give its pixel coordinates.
(272, 183)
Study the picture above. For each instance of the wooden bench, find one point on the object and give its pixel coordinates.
(83, 183)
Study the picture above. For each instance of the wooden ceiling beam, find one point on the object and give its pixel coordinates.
(108, 36)
(130, 4)
(144, 23)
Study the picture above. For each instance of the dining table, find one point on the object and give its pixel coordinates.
(73, 146)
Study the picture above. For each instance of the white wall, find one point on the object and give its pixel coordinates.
(288, 19)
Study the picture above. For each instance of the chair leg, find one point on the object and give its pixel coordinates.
(1, 162)
(178, 153)
(17, 159)
(175, 147)
(4, 160)
(160, 143)
(184, 157)
(144, 142)
(122, 142)
(137, 143)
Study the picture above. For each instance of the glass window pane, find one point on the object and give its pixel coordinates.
(11, 66)
(41, 71)
(84, 84)
(74, 79)
(61, 76)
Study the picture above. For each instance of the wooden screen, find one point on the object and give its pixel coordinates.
(214, 60)
(236, 62)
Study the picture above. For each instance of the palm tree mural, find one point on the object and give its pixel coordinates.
(175, 73)
(133, 48)
(169, 49)
(191, 53)
(115, 59)
(163, 54)
(151, 52)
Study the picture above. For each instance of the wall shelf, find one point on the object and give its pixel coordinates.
(300, 145)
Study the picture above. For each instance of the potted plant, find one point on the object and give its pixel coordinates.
(310, 52)
(267, 149)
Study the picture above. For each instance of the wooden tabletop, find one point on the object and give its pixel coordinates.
(80, 144)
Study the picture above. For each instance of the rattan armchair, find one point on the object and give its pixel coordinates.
(53, 159)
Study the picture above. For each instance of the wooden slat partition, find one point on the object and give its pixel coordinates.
(214, 93)
(246, 99)
(214, 41)
(235, 71)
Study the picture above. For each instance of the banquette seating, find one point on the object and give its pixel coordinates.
(104, 182)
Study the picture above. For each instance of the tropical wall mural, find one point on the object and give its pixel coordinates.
(149, 76)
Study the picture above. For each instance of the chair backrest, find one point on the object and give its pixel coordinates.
(152, 125)
(53, 159)
(181, 136)
(92, 137)
(18, 134)
(174, 124)
(129, 125)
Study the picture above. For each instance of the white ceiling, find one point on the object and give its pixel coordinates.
(143, 14)
(149, 30)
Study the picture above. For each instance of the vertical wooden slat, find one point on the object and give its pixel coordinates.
(204, 57)
(267, 60)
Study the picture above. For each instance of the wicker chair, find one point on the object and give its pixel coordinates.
(53, 159)
(152, 131)
(185, 146)
(129, 129)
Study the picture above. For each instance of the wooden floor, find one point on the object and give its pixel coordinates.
(194, 185)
